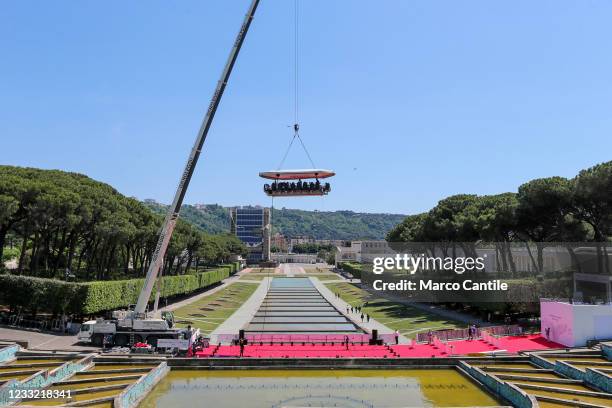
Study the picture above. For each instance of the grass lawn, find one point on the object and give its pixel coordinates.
(316, 270)
(408, 320)
(210, 311)
(265, 271)
(254, 276)
(259, 273)
(323, 276)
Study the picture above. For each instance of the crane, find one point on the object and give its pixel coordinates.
(127, 323)
(174, 209)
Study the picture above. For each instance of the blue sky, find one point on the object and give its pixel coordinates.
(409, 101)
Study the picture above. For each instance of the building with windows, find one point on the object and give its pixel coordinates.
(295, 258)
(279, 242)
(252, 226)
(300, 239)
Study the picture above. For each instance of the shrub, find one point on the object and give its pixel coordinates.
(37, 294)
(55, 296)
(353, 268)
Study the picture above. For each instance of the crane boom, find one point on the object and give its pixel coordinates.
(173, 212)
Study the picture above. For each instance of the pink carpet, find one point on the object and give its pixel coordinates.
(511, 344)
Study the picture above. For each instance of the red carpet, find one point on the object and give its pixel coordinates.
(463, 347)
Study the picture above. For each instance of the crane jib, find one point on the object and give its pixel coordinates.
(173, 212)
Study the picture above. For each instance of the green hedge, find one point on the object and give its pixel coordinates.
(354, 268)
(55, 296)
(109, 295)
(37, 294)
(231, 267)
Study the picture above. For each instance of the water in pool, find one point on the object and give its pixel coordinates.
(317, 388)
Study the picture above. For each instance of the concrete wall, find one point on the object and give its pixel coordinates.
(44, 378)
(606, 348)
(599, 379)
(135, 393)
(503, 389)
(8, 353)
(592, 322)
(596, 378)
(559, 317)
(573, 324)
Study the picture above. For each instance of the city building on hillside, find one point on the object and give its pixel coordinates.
(351, 253)
(363, 251)
(300, 239)
(294, 258)
(279, 241)
(375, 249)
(332, 242)
(252, 226)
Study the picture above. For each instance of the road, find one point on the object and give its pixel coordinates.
(44, 341)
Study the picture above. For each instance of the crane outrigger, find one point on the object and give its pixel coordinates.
(138, 325)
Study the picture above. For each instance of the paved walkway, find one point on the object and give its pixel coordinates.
(244, 314)
(44, 341)
(291, 270)
(341, 305)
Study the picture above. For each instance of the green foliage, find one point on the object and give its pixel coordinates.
(54, 296)
(211, 218)
(110, 295)
(354, 268)
(10, 254)
(37, 294)
(340, 225)
(66, 220)
(544, 210)
(593, 199)
(553, 209)
(311, 248)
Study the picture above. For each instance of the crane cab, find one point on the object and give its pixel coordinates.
(292, 183)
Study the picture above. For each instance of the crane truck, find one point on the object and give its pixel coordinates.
(130, 326)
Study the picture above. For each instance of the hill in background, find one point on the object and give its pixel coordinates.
(345, 225)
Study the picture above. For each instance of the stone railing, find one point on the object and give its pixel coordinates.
(568, 370)
(599, 379)
(517, 397)
(43, 379)
(593, 377)
(606, 349)
(133, 394)
(8, 353)
(542, 362)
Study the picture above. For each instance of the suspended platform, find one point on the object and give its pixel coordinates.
(307, 184)
(297, 174)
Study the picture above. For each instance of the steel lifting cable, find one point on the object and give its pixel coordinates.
(280, 165)
(296, 61)
(296, 91)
